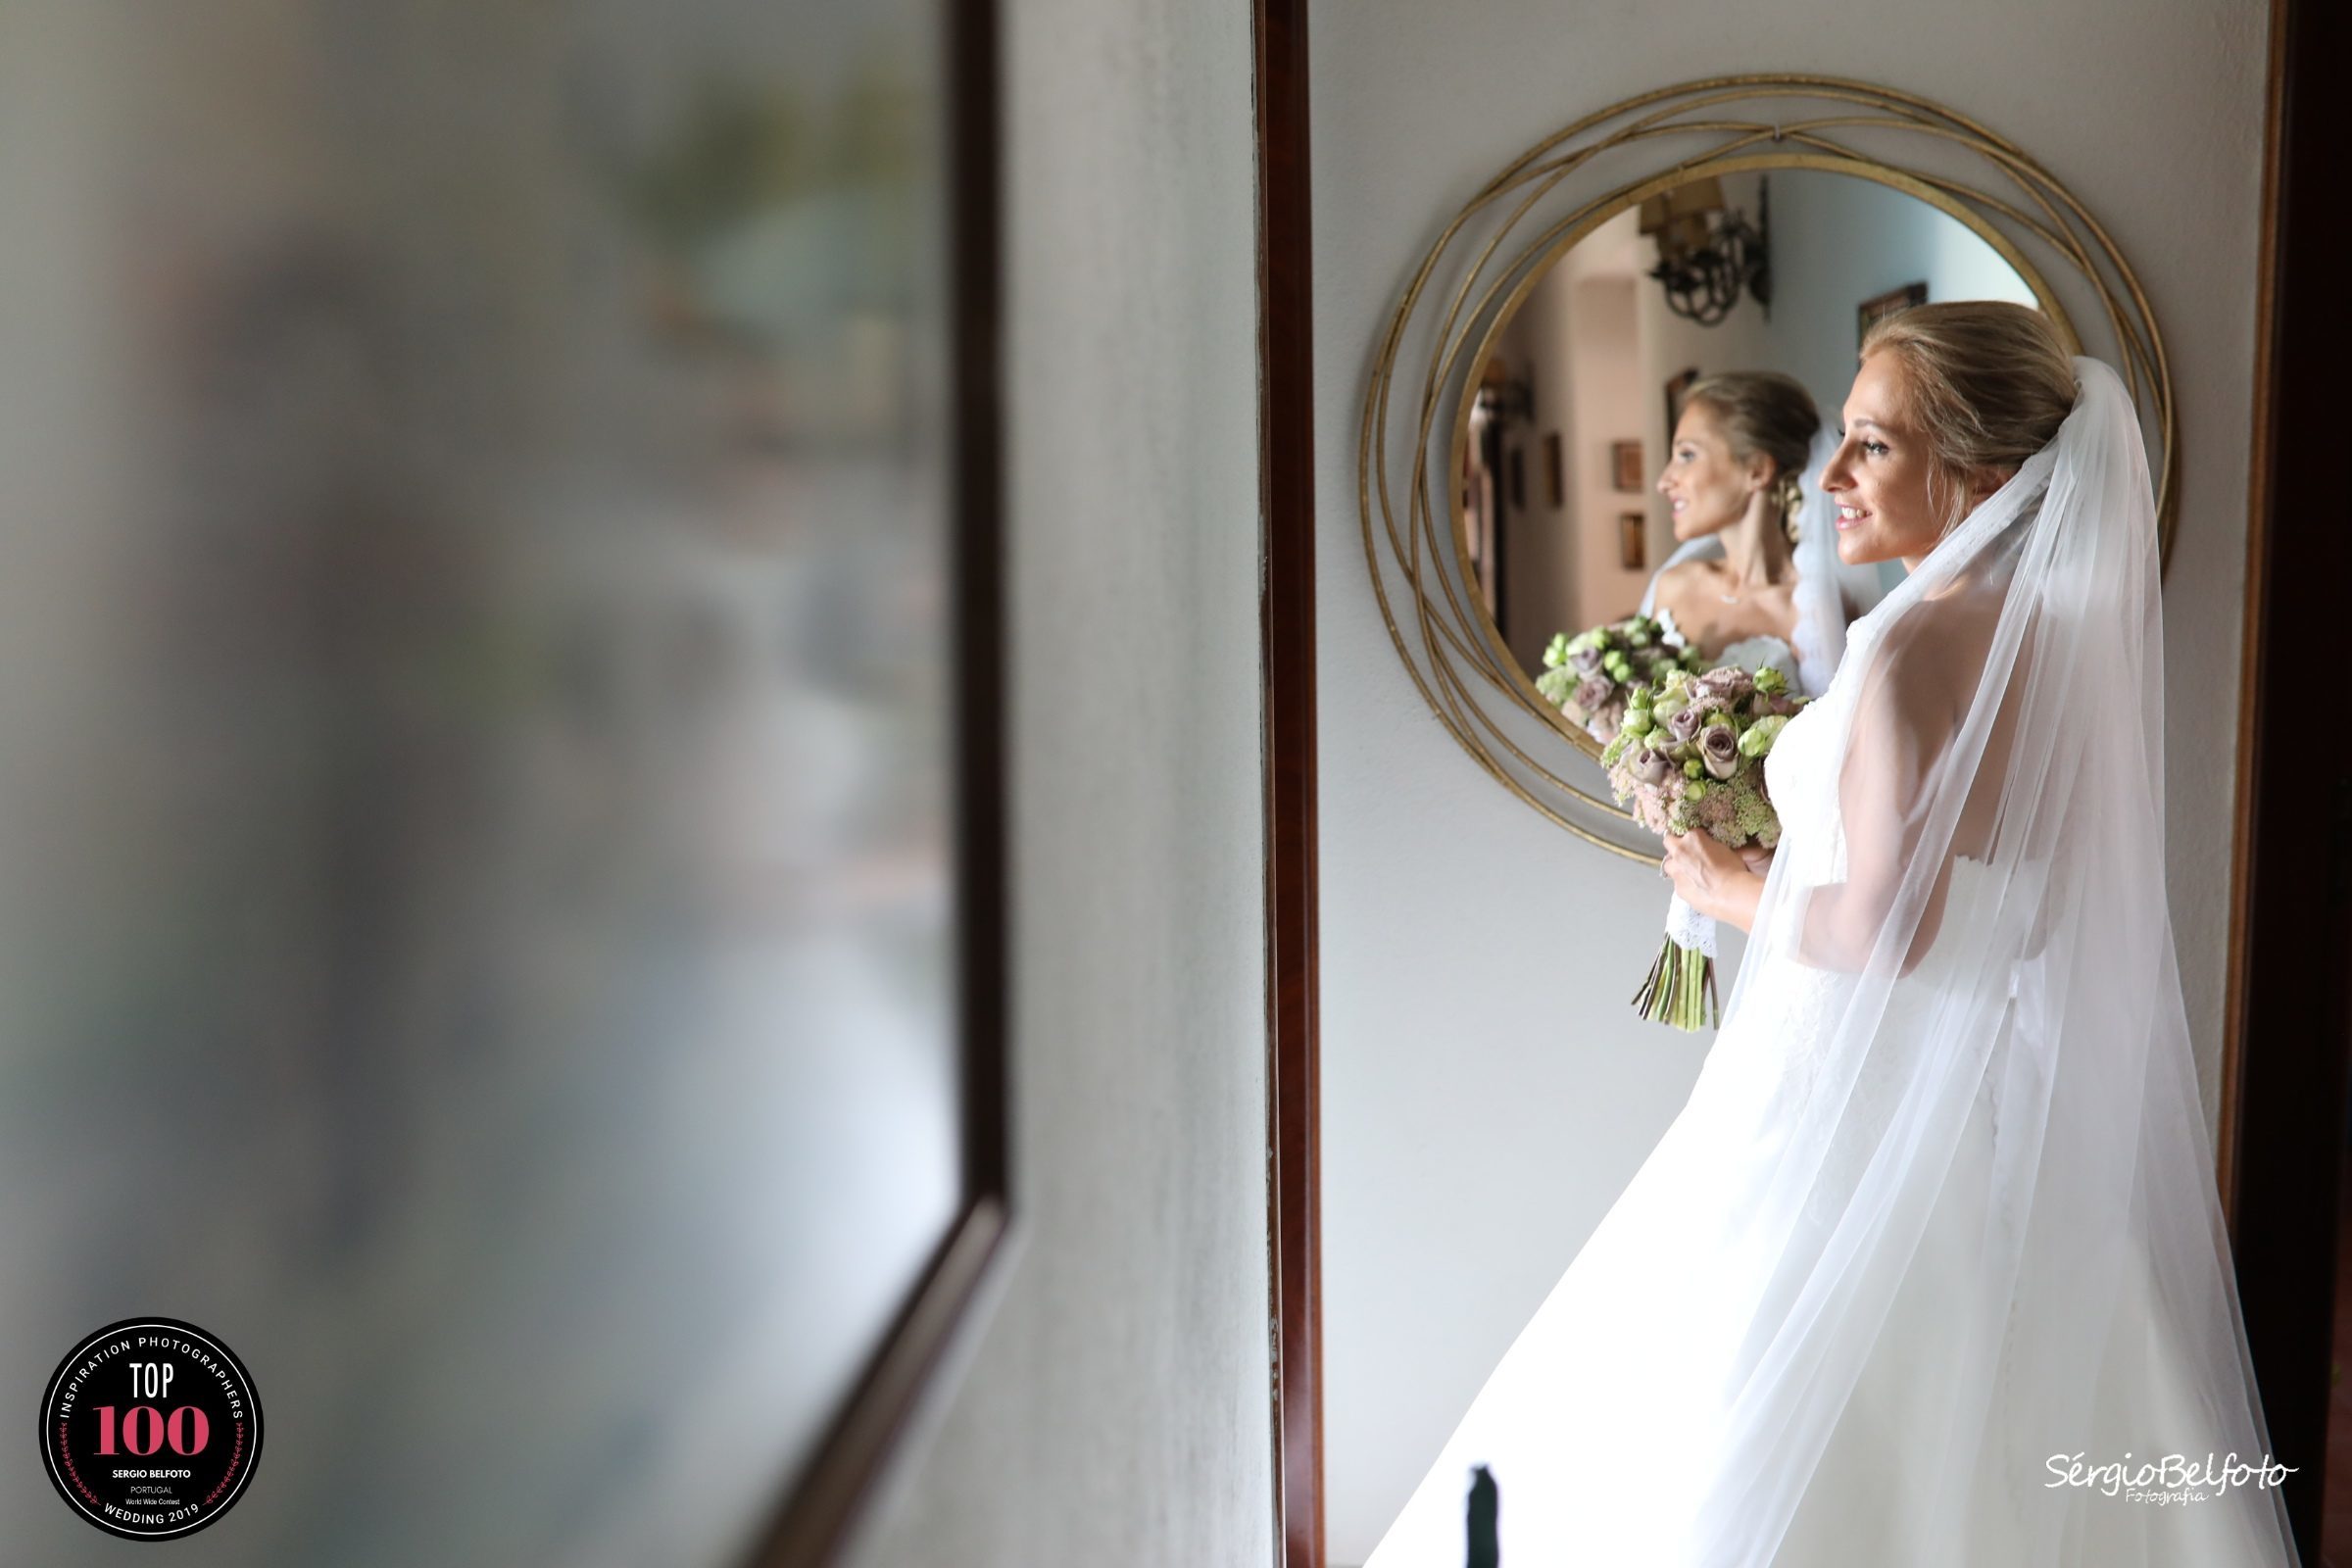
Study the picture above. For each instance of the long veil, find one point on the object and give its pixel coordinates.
(1995, 740)
(1931, 1267)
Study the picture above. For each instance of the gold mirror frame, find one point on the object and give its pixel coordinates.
(1459, 640)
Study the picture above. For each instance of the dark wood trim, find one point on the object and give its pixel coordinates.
(829, 1500)
(1286, 633)
(2249, 659)
(2289, 1034)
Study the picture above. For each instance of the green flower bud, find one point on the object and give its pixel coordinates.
(1758, 737)
(1694, 768)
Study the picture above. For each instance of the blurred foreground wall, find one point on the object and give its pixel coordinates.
(443, 725)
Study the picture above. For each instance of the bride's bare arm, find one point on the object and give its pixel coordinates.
(1904, 720)
(1908, 717)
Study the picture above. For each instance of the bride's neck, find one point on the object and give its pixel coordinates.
(1755, 549)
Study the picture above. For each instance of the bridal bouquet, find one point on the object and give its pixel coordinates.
(1591, 676)
(1689, 754)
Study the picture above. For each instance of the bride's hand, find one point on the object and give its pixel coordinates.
(1712, 876)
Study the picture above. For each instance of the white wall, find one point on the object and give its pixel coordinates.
(1486, 1090)
(1114, 1407)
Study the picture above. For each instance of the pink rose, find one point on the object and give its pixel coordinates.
(1718, 750)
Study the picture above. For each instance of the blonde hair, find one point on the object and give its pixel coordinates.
(1988, 384)
(1766, 411)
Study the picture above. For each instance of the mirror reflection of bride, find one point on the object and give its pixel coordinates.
(1755, 579)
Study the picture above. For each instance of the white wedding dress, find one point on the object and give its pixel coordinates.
(1594, 1424)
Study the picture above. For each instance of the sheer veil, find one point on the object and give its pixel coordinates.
(1997, 1031)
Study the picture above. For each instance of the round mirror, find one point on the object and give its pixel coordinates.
(1644, 428)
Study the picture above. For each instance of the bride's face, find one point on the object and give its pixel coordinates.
(1706, 486)
(1878, 475)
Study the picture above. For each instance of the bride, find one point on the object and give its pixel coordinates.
(1756, 579)
(1931, 1268)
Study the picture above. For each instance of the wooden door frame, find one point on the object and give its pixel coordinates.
(2289, 1009)
(1287, 644)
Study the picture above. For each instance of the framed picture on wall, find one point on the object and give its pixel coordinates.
(1880, 306)
(1554, 479)
(1624, 467)
(1676, 387)
(1632, 527)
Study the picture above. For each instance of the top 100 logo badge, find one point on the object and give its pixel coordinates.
(150, 1428)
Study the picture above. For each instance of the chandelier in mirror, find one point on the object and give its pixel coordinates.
(1708, 252)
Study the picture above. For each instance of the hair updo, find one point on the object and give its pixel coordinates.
(1988, 384)
(1764, 411)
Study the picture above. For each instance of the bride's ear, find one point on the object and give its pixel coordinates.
(1985, 481)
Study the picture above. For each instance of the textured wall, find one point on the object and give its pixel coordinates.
(1486, 1090)
(1114, 1407)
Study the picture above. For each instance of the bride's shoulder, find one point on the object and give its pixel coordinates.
(1918, 667)
(1683, 578)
